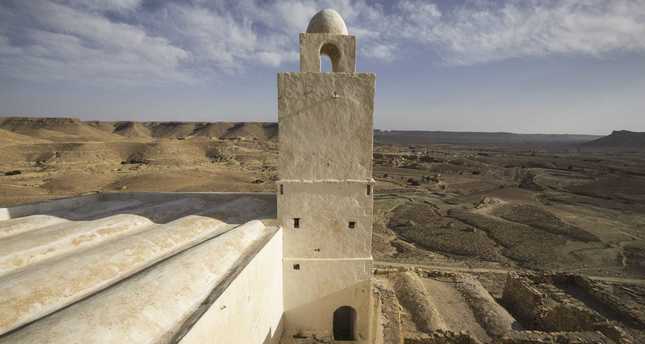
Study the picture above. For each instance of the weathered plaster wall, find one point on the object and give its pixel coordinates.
(325, 125)
(319, 287)
(250, 309)
(324, 209)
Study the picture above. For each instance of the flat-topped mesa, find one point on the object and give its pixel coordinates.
(327, 35)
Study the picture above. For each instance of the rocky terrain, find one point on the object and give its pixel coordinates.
(620, 140)
(478, 237)
(511, 243)
(44, 158)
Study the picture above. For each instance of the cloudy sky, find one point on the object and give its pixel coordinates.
(551, 66)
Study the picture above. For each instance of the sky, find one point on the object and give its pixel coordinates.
(525, 66)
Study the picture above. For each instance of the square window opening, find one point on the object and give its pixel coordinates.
(351, 224)
(296, 266)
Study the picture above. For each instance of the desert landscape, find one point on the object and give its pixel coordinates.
(322, 172)
(478, 237)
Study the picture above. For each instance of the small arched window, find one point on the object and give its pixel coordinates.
(330, 50)
(345, 323)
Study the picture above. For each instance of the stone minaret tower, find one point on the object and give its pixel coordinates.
(325, 188)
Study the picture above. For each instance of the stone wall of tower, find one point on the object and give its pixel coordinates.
(335, 218)
(325, 190)
(326, 129)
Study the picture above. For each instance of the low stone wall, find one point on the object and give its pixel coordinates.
(567, 317)
(537, 337)
(631, 312)
(389, 312)
(522, 298)
(540, 300)
(539, 303)
(413, 296)
(492, 317)
(635, 255)
(443, 337)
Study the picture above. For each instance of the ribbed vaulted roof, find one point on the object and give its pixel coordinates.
(121, 268)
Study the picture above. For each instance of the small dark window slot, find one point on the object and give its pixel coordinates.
(296, 222)
(352, 224)
(296, 266)
(316, 250)
(281, 189)
(369, 190)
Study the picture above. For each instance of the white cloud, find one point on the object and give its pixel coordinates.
(380, 52)
(63, 43)
(183, 41)
(103, 5)
(290, 16)
(484, 31)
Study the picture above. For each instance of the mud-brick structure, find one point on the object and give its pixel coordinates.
(325, 186)
(293, 266)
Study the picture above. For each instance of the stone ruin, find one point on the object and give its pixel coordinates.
(568, 305)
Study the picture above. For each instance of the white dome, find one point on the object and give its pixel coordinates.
(327, 21)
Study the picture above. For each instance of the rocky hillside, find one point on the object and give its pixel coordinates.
(619, 140)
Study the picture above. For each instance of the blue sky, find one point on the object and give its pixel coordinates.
(551, 66)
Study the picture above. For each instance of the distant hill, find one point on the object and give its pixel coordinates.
(19, 130)
(619, 140)
(469, 138)
(8, 137)
(131, 129)
(15, 130)
(54, 129)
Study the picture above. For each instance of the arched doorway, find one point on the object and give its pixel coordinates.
(344, 323)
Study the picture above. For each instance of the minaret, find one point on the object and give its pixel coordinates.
(325, 187)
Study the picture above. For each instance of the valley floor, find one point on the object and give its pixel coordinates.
(450, 220)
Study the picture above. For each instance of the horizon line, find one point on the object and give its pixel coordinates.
(4, 116)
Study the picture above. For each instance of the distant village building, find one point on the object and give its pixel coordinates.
(216, 267)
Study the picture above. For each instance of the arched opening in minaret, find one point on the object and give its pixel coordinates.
(329, 58)
(344, 323)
